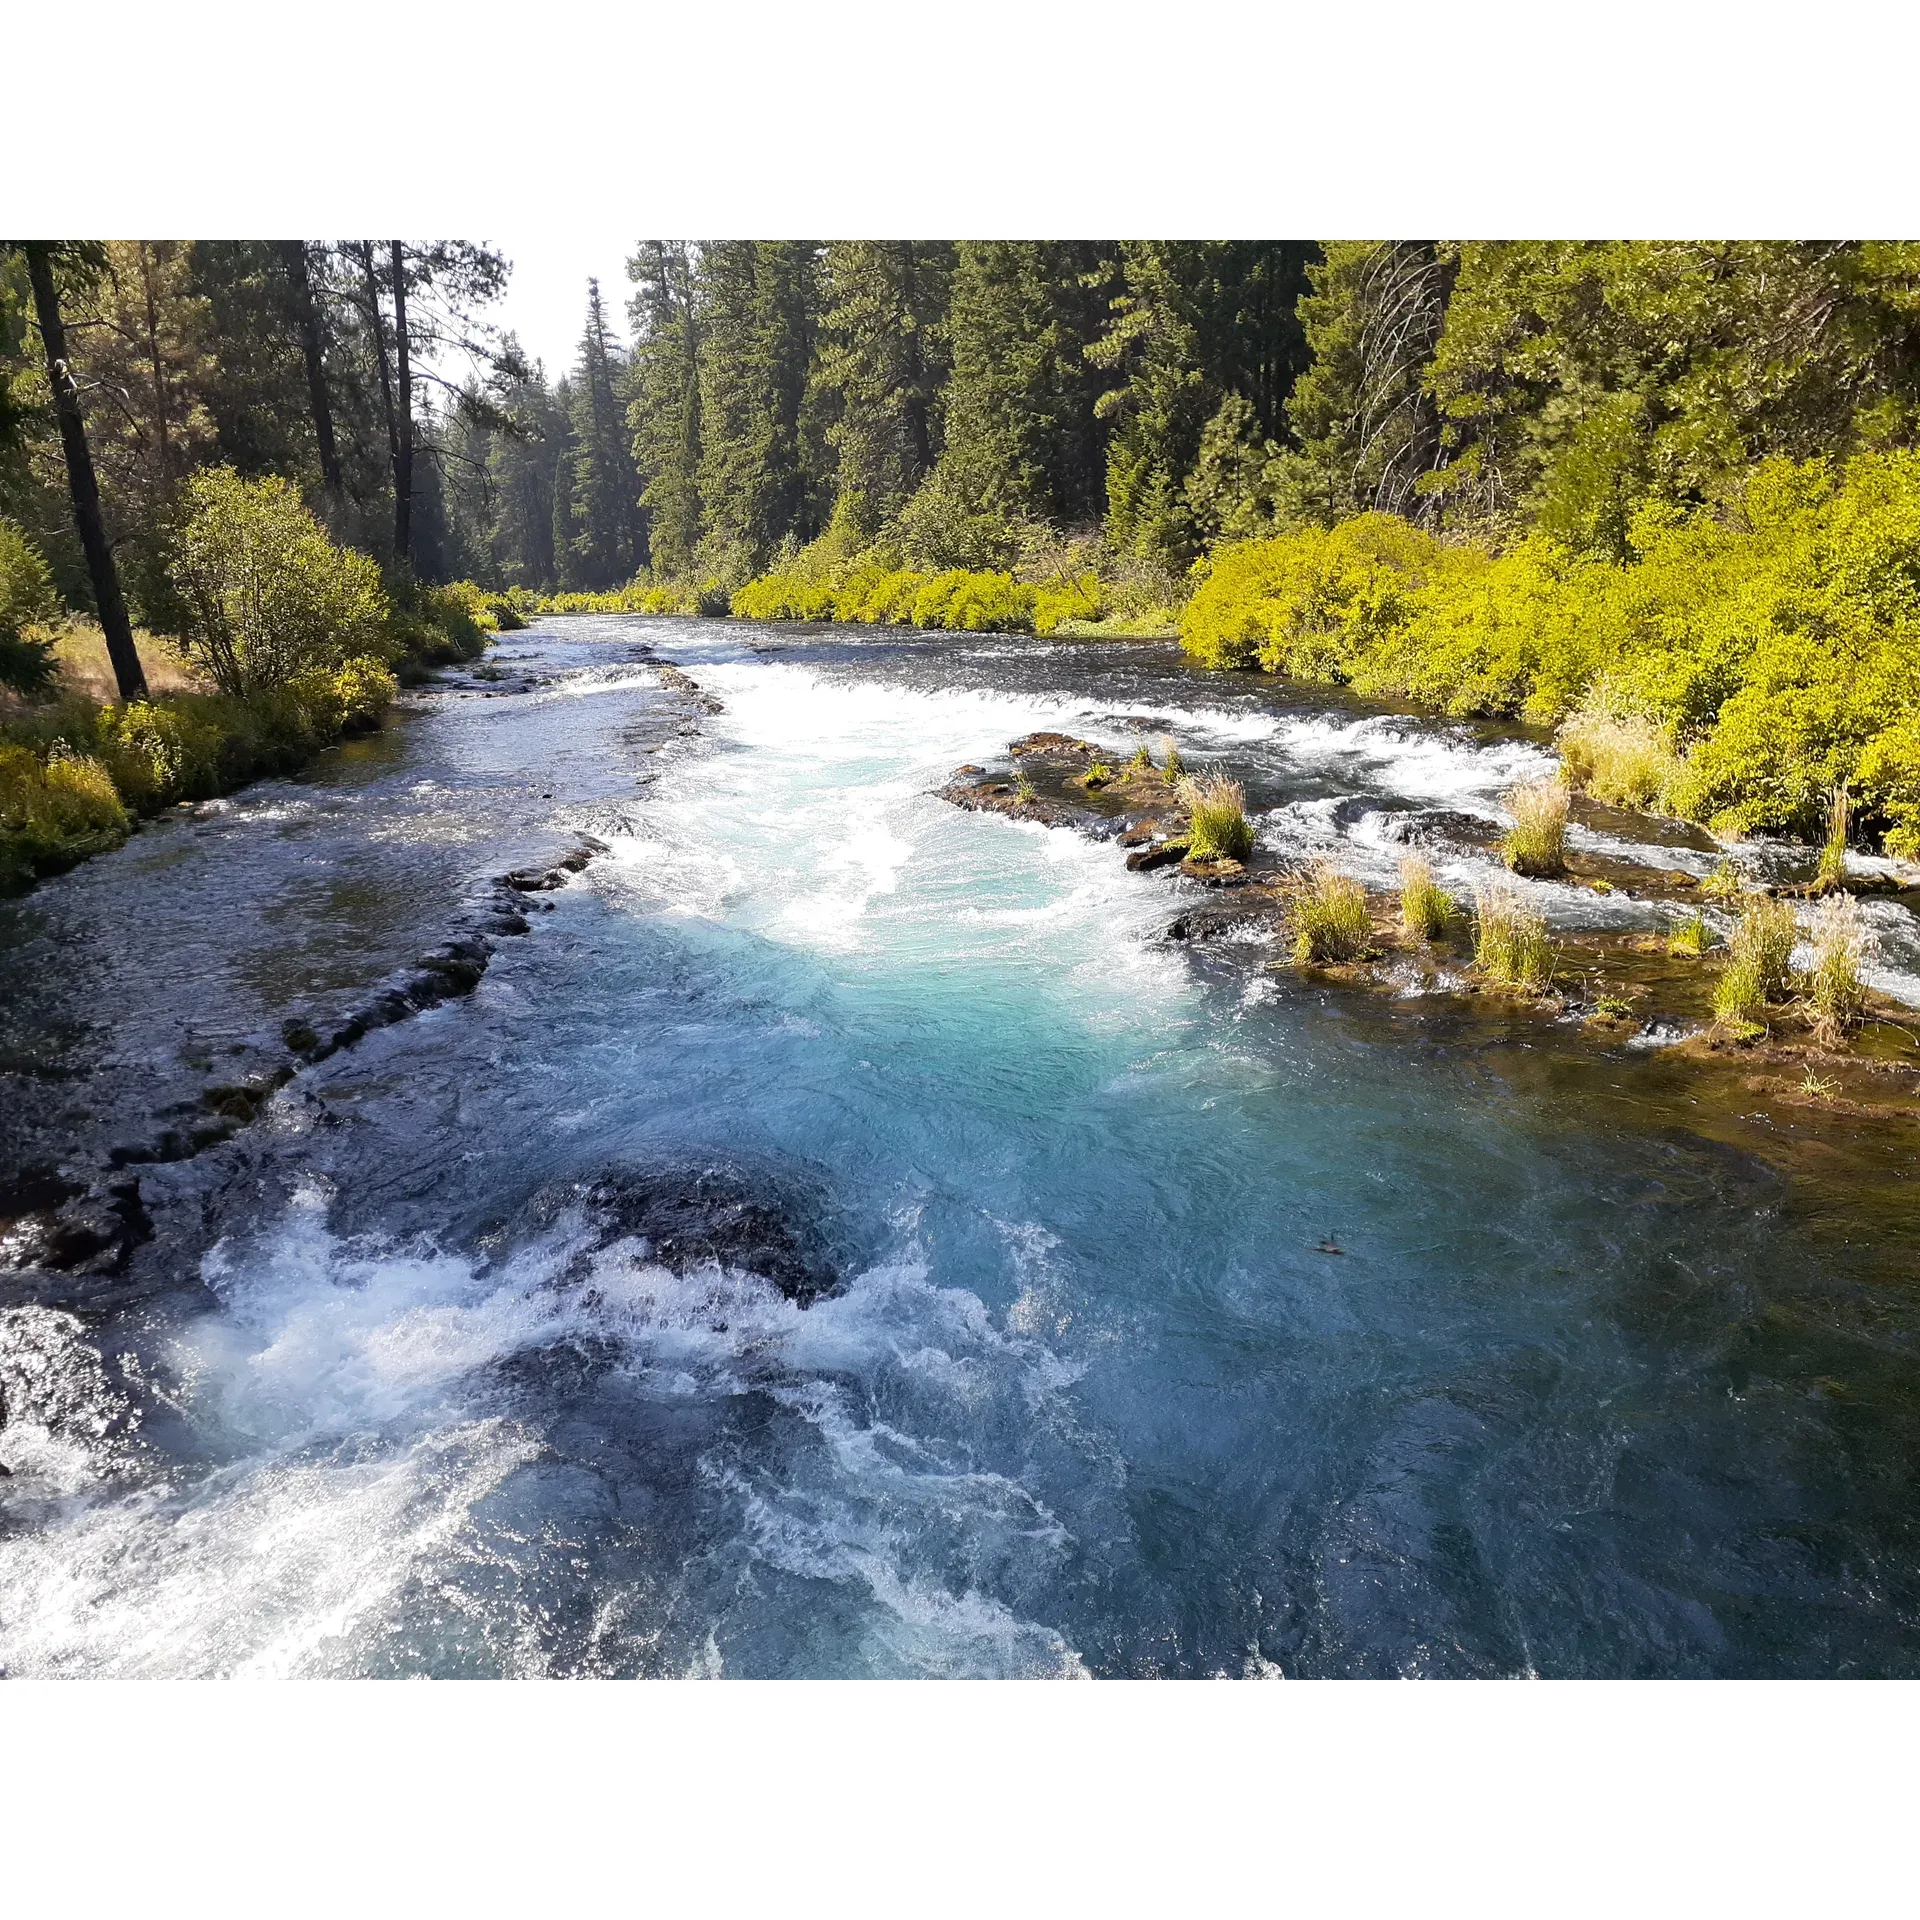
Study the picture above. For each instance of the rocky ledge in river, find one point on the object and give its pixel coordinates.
(1626, 991)
(67, 1234)
(728, 1216)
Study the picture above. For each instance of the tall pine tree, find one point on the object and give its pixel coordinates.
(663, 414)
(1022, 439)
(605, 542)
(760, 457)
(883, 364)
(1204, 337)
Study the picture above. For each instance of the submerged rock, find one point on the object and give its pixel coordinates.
(1426, 826)
(754, 1220)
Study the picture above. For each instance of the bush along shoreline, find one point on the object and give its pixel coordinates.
(301, 643)
(1736, 667)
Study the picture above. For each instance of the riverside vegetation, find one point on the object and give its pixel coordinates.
(238, 446)
(1739, 1006)
(298, 644)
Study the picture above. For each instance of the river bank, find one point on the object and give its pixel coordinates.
(1027, 1292)
(1634, 987)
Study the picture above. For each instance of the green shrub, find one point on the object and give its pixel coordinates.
(1330, 918)
(1510, 944)
(159, 752)
(958, 600)
(1536, 843)
(1770, 644)
(510, 609)
(346, 699)
(464, 613)
(1426, 909)
(1075, 601)
(54, 812)
(1725, 883)
(1217, 825)
(1836, 995)
(27, 603)
(268, 595)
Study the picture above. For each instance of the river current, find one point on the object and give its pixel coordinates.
(1598, 1383)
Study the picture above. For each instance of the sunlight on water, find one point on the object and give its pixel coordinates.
(1187, 1325)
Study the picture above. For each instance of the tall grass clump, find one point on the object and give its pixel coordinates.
(1759, 963)
(1330, 918)
(1617, 751)
(1832, 875)
(1172, 767)
(1836, 996)
(1536, 843)
(1218, 828)
(1510, 944)
(1426, 910)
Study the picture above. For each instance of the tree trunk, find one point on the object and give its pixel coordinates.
(162, 425)
(307, 314)
(386, 380)
(919, 430)
(403, 459)
(85, 490)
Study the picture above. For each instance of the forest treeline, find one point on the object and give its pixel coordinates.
(236, 448)
(1428, 468)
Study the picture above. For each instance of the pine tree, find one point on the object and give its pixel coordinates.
(1366, 423)
(1022, 440)
(1205, 339)
(521, 473)
(663, 414)
(760, 478)
(883, 363)
(606, 540)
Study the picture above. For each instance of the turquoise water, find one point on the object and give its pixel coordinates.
(1589, 1389)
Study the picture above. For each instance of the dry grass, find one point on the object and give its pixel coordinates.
(1172, 769)
(1617, 752)
(1536, 844)
(1426, 909)
(1836, 996)
(1832, 876)
(1330, 918)
(1691, 938)
(81, 660)
(1510, 945)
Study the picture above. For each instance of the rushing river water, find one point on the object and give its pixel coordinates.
(1601, 1382)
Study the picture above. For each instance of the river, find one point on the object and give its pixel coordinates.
(1603, 1379)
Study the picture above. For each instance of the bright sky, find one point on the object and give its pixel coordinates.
(546, 303)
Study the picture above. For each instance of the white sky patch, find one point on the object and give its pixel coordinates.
(546, 299)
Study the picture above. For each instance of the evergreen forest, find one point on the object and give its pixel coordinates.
(1669, 486)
